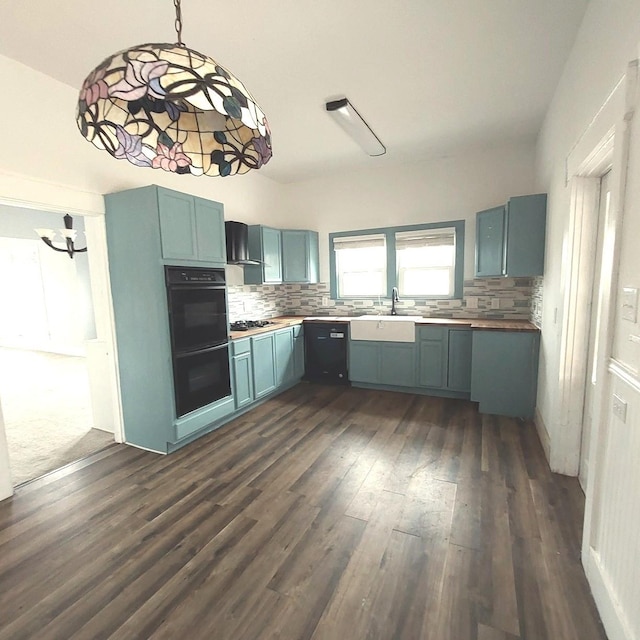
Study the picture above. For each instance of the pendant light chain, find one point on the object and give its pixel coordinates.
(176, 3)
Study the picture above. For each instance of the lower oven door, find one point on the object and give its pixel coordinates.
(201, 377)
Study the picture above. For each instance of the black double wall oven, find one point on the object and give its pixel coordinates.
(197, 302)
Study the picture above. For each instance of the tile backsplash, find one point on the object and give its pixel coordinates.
(515, 297)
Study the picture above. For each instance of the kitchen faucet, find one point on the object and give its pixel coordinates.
(394, 299)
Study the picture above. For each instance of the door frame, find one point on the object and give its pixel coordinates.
(602, 147)
(21, 192)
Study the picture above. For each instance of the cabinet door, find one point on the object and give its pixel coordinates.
(459, 370)
(264, 369)
(284, 357)
(242, 380)
(526, 221)
(272, 255)
(432, 356)
(504, 372)
(177, 225)
(364, 361)
(490, 241)
(295, 256)
(210, 237)
(298, 356)
(397, 364)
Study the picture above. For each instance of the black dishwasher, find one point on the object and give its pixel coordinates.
(325, 347)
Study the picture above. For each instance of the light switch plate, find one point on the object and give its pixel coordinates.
(472, 302)
(630, 304)
(495, 303)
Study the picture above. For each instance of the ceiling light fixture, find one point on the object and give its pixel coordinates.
(169, 107)
(68, 235)
(345, 114)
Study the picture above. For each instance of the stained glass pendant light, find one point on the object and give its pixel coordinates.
(169, 107)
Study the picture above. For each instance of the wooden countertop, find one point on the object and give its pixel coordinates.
(486, 324)
(281, 322)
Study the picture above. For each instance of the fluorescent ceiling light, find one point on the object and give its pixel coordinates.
(345, 114)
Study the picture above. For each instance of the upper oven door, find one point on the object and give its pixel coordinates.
(197, 315)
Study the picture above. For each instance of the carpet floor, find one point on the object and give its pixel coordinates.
(47, 412)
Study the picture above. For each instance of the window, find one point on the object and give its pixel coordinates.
(423, 261)
(361, 265)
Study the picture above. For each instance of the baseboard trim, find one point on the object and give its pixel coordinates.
(611, 613)
(543, 434)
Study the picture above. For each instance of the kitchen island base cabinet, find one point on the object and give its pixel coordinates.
(504, 372)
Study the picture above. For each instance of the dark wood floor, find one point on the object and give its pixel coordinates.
(326, 513)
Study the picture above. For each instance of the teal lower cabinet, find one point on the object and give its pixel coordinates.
(298, 351)
(437, 363)
(284, 356)
(397, 364)
(391, 364)
(504, 372)
(459, 360)
(432, 356)
(242, 373)
(364, 357)
(264, 364)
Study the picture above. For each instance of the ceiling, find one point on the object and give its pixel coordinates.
(431, 77)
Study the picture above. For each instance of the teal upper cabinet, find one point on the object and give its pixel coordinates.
(265, 246)
(299, 256)
(191, 228)
(210, 238)
(287, 255)
(510, 240)
(490, 256)
(526, 222)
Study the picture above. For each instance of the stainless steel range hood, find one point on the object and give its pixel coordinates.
(237, 236)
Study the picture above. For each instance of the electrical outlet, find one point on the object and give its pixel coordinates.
(325, 301)
(495, 303)
(619, 408)
(472, 302)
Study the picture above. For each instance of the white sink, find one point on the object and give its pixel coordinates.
(384, 328)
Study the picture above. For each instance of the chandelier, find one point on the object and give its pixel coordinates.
(68, 235)
(169, 107)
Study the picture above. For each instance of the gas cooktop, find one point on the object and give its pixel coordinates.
(245, 325)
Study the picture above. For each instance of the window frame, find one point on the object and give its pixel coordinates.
(392, 275)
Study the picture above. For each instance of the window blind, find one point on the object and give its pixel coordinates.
(424, 238)
(359, 242)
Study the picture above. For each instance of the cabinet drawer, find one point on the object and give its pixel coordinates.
(243, 345)
(431, 333)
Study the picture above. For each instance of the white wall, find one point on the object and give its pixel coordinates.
(6, 485)
(453, 188)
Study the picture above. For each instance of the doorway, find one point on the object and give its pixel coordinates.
(47, 323)
(594, 330)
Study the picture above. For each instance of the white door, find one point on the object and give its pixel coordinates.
(590, 383)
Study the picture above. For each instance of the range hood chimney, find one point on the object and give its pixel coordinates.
(237, 236)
